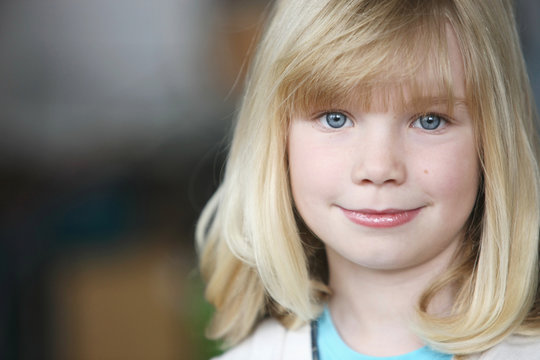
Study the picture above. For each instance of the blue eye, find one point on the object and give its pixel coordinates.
(335, 120)
(429, 122)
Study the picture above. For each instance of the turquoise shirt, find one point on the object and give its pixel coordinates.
(332, 347)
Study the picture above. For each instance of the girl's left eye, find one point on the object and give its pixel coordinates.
(335, 120)
(429, 122)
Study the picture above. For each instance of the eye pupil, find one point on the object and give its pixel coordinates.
(430, 122)
(336, 120)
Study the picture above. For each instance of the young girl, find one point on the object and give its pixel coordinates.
(380, 199)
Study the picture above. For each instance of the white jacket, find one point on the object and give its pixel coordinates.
(272, 341)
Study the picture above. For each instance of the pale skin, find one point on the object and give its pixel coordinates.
(350, 161)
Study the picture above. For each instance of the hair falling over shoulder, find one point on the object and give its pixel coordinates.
(257, 257)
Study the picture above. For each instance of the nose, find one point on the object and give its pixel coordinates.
(380, 159)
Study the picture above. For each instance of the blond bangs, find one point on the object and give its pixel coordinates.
(376, 67)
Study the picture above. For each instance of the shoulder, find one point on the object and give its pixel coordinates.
(514, 348)
(272, 341)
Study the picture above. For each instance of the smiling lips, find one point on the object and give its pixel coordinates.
(381, 219)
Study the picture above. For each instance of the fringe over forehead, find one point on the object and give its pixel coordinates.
(377, 54)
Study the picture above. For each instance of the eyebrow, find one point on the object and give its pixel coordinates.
(436, 100)
(414, 104)
(427, 102)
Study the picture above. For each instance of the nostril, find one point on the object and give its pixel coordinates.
(379, 173)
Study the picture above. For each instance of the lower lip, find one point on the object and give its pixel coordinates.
(381, 219)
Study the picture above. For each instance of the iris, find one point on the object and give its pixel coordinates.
(336, 120)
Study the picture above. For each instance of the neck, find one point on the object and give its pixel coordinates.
(373, 309)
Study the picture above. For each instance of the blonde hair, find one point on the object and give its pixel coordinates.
(255, 253)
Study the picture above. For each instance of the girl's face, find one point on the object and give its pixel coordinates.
(387, 190)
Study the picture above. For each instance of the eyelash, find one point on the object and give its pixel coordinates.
(323, 117)
(443, 120)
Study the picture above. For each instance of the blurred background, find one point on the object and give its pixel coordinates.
(114, 116)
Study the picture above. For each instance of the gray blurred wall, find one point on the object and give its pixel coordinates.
(86, 83)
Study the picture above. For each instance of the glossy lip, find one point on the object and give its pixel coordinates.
(381, 219)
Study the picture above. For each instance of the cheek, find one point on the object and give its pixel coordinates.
(316, 170)
(309, 171)
(452, 172)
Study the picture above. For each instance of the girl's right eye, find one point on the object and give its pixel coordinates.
(335, 120)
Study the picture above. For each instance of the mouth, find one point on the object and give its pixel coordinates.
(381, 219)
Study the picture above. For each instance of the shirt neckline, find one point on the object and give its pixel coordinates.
(325, 324)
